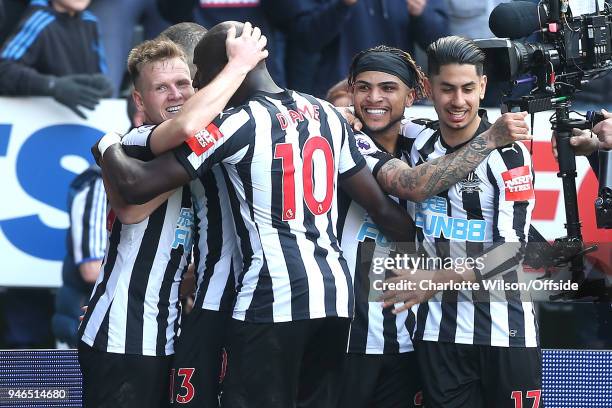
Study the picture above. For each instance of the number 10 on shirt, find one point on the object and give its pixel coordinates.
(284, 152)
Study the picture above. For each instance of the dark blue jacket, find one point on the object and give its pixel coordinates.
(210, 13)
(339, 31)
(45, 44)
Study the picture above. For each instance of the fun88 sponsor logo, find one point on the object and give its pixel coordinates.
(183, 231)
(370, 230)
(431, 216)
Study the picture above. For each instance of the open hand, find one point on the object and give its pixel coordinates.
(410, 288)
(247, 50)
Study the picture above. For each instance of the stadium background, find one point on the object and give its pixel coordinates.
(43, 146)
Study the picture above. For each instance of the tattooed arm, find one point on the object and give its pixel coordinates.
(428, 179)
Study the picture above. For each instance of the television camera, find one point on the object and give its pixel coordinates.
(552, 52)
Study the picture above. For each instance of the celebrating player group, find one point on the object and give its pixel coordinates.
(283, 209)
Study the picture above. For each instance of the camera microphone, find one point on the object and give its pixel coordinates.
(517, 19)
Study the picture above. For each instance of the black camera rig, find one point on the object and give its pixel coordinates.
(571, 50)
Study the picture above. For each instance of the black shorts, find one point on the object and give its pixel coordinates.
(381, 381)
(468, 376)
(281, 365)
(198, 359)
(112, 380)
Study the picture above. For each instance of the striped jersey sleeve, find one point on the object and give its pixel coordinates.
(351, 161)
(137, 142)
(374, 157)
(510, 172)
(229, 133)
(88, 222)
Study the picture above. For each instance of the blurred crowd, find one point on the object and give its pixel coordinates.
(75, 51)
(67, 48)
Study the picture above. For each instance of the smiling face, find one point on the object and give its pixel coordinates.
(162, 88)
(456, 92)
(380, 100)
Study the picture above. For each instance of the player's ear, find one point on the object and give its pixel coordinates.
(137, 97)
(410, 98)
(483, 86)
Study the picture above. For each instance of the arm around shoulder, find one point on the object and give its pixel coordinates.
(394, 220)
(136, 181)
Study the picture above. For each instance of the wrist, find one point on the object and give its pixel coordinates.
(107, 141)
(236, 67)
(469, 275)
(489, 140)
(446, 276)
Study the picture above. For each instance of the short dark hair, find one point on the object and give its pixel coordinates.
(185, 34)
(418, 75)
(453, 50)
(210, 55)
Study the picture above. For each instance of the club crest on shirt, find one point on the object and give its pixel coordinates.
(470, 184)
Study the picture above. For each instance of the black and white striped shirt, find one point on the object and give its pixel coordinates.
(135, 308)
(216, 253)
(374, 330)
(282, 154)
(87, 204)
(493, 204)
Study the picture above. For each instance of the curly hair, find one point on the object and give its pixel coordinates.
(419, 76)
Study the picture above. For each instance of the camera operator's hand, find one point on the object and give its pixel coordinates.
(84, 90)
(508, 128)
(603, 130)
(582, 141)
